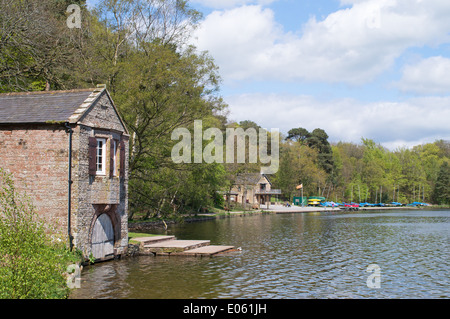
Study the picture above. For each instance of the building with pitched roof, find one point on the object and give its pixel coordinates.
(254, 189)
(68, 151)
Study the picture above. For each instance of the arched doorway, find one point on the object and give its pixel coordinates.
(102, 238)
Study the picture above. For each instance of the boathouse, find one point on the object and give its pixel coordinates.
(254, 189)
(67, 151)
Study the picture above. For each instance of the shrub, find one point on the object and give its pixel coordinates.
(32, 259)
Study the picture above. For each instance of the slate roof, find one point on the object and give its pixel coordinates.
(45, 106)
(249, 178)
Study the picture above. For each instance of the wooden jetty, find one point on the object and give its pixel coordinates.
(169, 245)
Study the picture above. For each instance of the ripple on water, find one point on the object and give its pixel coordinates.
(292, 256)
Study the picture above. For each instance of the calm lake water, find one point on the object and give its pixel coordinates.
(292, 256)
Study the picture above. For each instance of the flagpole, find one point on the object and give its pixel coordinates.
(300, 187)
(302, 195)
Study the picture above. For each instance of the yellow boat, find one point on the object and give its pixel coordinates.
(313, 202)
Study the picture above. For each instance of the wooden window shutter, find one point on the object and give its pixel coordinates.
(92, 156)
(111, 158)
(122, 159)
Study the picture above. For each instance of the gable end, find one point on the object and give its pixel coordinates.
(99, 111)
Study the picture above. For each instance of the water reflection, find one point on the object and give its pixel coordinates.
(306, 255)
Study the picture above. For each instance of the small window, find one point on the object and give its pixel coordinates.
(101, 156)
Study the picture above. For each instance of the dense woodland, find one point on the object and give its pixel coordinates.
(365, 172)
(140, 50)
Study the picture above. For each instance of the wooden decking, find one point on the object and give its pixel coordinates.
(169, 245)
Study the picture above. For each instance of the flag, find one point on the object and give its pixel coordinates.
(299, 186)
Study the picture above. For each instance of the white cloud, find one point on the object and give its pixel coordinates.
(428, 76)
(392, 124)
(352, 45)
(239, 39)
(222, 4)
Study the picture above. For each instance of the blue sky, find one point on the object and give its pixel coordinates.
(377, 69)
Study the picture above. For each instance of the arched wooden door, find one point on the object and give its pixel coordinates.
(102, 238)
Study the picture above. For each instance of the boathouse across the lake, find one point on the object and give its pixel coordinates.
(254, 189)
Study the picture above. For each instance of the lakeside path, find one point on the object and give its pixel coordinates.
(298, 209)
(273, 209)
(280, 209)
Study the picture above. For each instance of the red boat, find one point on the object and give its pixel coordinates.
(350, 206)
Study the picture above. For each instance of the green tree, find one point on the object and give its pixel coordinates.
(413, 174)
(317, 139)
(298, 165)
(157, 94)
(37, 49)
(298, 134)
(441, 192)
(248, 124)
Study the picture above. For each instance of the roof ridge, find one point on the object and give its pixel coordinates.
(44, 106)
(50, 92)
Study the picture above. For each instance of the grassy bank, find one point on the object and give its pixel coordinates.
(132, 235)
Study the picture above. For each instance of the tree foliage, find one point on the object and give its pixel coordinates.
(363, 172)
(318, 140)
(441, 192)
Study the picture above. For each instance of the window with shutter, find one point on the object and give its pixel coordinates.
(92, 155)
(122, 159)
(113, 158)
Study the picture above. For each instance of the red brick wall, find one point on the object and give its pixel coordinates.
(37, 157)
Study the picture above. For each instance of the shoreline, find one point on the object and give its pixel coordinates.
(281, 209)
(142, 226)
